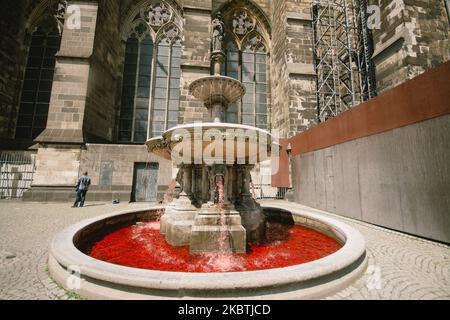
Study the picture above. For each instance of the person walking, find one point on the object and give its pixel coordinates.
(82, 188)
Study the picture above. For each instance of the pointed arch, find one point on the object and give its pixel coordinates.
(254, 41)
(141, 9)
(152, 71)
(249, 5)
(45, 11)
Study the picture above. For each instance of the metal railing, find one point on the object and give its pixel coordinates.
(16, 173)
(266, 191)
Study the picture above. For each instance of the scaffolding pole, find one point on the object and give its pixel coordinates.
(343, 49)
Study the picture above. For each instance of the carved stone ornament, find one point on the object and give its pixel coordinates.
(242, 23)
(157, 14)
(255, 43)
(170, 34)
(60, 9)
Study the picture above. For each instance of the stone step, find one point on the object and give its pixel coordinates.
(217, 220)
(179, 233)
(204, 239)
(173, 216)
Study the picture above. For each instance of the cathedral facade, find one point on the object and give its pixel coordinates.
(84, 84)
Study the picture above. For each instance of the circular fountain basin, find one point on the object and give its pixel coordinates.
(239, 142)
(103, 280)
(226, 89)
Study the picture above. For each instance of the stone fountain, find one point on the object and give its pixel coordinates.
(198, 218)
(215, 213)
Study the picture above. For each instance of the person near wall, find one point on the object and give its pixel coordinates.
(82, 188)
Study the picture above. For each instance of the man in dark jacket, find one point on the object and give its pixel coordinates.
(82, 188)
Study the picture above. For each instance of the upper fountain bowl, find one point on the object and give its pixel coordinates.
(211, 89)
(230, 141)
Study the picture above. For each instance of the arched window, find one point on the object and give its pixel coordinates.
(247, 61)
(231, 68)
(254, 77)
(38, 80)
(151, 77)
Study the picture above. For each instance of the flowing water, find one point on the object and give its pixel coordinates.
(224, 260)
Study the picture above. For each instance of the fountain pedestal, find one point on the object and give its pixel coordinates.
(218, 229)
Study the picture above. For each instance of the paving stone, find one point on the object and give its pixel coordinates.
(411, 268)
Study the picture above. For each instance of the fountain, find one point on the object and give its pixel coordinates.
(214, 239)
(197, 218)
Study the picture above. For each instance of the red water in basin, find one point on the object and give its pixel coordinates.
(142, 246)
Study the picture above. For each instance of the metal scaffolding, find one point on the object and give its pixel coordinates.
(343, 50)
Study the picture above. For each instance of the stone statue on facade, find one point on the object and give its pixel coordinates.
(218, 33)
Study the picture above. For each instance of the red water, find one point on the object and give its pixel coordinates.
(142, 246)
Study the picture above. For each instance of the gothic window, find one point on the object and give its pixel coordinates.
(151, 77)
(249, 65)
(231, 68)
(254, 77)
(37, 84)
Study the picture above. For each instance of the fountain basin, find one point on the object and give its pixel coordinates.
(102, 280)
(239, 142)
(217, 89)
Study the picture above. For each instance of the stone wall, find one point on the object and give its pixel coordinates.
(57, 166)
(302, 98)
(265, 5)
(122, 159)
(292, 70)
(101, 105)
(195, 61)
(279, 74)
(413, 37)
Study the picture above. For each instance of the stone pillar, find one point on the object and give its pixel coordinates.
(246, 179)
(70, 83)
(187, 180)
(205, 185)
(218, 58)
(218, 112)
(58, 159)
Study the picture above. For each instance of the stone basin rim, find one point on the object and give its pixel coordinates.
(214, 78)
(63, 250)
(210, 125)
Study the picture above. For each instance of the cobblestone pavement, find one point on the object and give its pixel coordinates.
(400, 266)
(26, 230)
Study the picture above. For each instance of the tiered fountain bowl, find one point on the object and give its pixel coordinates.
(246, 142)
(98, 251)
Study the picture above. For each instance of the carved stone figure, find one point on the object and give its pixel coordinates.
(218, 33)
(61, 9)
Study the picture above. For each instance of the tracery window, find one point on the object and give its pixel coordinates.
(247, 60)
(38, 81)
(151, 77)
